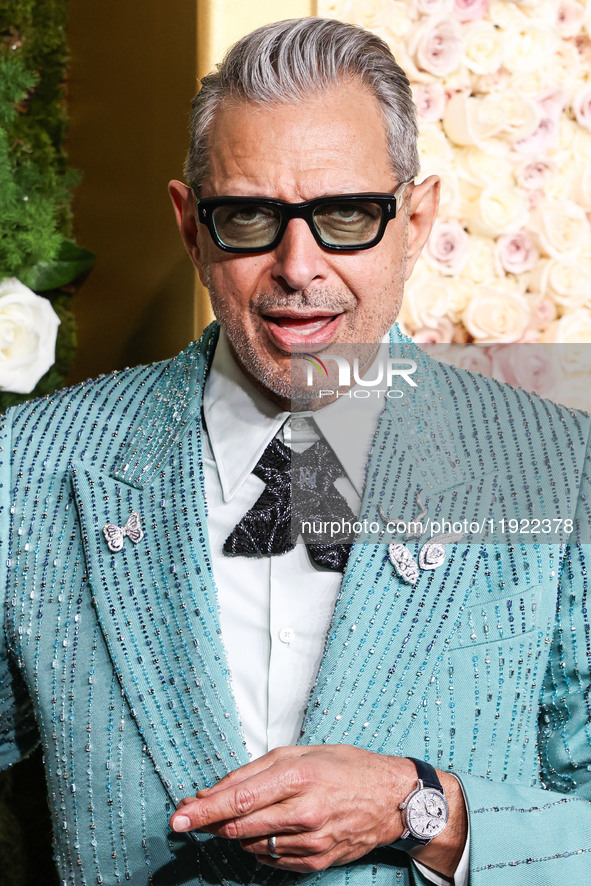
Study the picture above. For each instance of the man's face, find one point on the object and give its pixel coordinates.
(299, 294)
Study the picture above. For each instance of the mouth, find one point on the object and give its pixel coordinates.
(288, 328)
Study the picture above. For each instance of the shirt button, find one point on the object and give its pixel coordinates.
(286, 635)
(298, 424)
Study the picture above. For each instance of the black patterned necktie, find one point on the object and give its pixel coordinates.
(299, 492)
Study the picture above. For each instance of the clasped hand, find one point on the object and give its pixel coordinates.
(326, 805)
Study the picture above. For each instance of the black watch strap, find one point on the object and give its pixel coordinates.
(427, 774)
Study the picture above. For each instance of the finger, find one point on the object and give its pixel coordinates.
(296, 845)
(258, 792)
(299, 865)
(184, 801)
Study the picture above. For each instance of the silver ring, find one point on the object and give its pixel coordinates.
(272, 846)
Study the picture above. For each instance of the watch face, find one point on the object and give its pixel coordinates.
(426, 813)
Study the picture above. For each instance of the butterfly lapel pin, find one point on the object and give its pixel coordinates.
(115, 535)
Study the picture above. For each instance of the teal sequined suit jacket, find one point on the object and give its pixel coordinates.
(116, 662)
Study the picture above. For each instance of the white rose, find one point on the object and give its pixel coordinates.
(566, 282)
(399, 22)
(517, 252)
(574, 327)
(528, 45)
(565, 68)
(498, 209)
(580, 144)
(480, 168)
(461, 291)
(574, 392)
(28, 332)
(580, 180)
(480, 266)
(505, 14)
(436, 45)
(496, 314)
(483, 48)
(447, 248)
(434, 7)
(450, 198)
(521, 114)
(435, 152)
(562, 228)
(582, 106)
(371, 14)
(425, 301)
(471, 120)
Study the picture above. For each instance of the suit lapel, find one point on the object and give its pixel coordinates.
(387, 638)
(155, 599)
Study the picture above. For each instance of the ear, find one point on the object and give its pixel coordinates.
(183, 204)
(423, 204)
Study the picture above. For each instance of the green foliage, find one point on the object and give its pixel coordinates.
(35, 183)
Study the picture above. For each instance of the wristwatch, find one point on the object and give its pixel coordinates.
(425, 811)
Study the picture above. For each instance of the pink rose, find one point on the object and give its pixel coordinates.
(437, 46)
(430, 99)
(582, 106)
(474, 358)
(436, 335)
(516, 252)
(583, 47)
(569, 18)
(470, 10)
(545, 137)
(543, 311)
(534, 175)
(447, 247)
(532, 367)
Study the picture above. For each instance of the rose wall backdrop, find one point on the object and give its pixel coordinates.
(503, 90)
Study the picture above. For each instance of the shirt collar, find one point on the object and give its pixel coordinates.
(241, 422)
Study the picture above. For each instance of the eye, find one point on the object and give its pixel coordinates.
(248, 215)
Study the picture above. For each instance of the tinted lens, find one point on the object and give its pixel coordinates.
(246, 225)
(350, 223)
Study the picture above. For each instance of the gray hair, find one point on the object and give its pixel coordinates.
(284, 62)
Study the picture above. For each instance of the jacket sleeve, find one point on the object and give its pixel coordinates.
(522, 835)
(18, 731)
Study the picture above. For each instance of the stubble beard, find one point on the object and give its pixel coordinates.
(257, 363)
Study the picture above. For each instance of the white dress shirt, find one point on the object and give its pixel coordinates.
(274, 611)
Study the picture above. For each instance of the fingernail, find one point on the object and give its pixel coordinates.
(181, 823)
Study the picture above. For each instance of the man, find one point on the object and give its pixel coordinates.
(149, 682)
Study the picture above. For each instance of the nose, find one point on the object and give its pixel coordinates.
(298, 259)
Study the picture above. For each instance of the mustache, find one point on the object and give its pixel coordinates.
(321, 299)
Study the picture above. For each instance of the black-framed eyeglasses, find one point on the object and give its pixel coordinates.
(347, 222)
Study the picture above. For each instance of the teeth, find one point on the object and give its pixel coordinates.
(307, 330)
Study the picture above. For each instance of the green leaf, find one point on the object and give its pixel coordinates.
(70, 262)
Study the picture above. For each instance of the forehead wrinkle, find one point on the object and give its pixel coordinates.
(274, 159)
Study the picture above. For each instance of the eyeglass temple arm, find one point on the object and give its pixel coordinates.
(399, 192)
